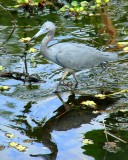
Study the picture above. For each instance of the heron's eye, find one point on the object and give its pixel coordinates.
(47, 28)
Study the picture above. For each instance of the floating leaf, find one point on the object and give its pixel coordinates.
(32, 50)
(66, 6)
(21, 148)
(1, 68)
(123, 110)
(74, 3)
(91, 14)
(26, 1)
(98, 5)
(35, 3)
(98, 1)
(62, 9)
(125, 49)
(16, 6)
(72, 9)
(13, 144)
(84, 3)
(81, 9)
(17, 146)
(122, 44)
(10, 135)
(77, 9)
(95, 112)
(106, 1)
(22, 1)
(100, 96)
(24, 40)
(89, 103)
(4, 87)
(87, 141)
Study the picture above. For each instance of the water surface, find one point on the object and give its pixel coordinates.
(54, 126)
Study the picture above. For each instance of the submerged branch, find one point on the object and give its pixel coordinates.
(112, 135)
(19, 76)
(106, 132)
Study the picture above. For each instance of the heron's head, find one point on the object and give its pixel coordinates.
(46, 27)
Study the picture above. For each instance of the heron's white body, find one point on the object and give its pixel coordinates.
(76, 56)
(71, 56)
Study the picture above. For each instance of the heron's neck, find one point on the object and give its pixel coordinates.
(46, 40)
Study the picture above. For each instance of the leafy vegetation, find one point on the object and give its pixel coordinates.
(77, 10)
(32, 3)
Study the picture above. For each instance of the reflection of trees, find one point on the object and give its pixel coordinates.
(117, 124)
(69, 115)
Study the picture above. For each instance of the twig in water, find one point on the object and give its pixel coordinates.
(108, 133)
(105, 131)
(62, 114)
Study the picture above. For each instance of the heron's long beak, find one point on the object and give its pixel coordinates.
(41, 31)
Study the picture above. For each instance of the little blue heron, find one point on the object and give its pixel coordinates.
(71, 56)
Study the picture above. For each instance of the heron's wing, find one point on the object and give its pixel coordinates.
(80, 57)
(69, 60)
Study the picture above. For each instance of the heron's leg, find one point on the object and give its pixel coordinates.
(104, 65)
(74, 75)
(63, 77)
(65, 74)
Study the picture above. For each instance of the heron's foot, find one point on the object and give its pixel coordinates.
(60, 85)
(104, 65)
(66, 86)
(70, 84)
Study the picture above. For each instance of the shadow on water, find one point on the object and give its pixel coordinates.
(70, 115)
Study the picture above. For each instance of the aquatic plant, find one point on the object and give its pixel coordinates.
(32, 3)
(78, 9)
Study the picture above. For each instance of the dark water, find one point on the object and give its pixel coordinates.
(54, 126)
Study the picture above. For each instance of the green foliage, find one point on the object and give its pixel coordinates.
(78, 9)
(101, 2)
(74, 3)
(31, 3)
(22, 1)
